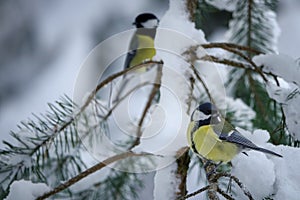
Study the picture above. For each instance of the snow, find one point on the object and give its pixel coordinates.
(268, 33)
(164, 133)
(182, 25)
(256, 172)
(228, 5)
(196, 179)
(290, 100)
(257, 167)
(288, 95)
(281, 65)
(26, 190)
(264, 175)
(166, 183)
(169, 135)
(287, 173)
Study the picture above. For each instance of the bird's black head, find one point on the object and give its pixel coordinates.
(207, 108)
(206, 112)
(146, 20)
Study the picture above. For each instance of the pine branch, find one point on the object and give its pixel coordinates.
(89, 171)
(226, 46)
(203, 189)
(236, 180)
(149, 64)
(253, 25)
(213, 187)
(235, 64)
(55, 141)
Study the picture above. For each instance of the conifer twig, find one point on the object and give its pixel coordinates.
(224, 45)
(236, 180)
(233, 63)
(89, 171)
(196, 192)
(58, 129)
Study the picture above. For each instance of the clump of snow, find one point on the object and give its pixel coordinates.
(287, 173)
(256, 167)
(280, 65)
(256, 172)
(26, 190)
(177, 35)
(290, 100)
(289, 94)
(266, 175)
(228, 5)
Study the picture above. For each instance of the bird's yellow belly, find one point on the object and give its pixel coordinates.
(145, 51)
(209, 146)
(141, 56)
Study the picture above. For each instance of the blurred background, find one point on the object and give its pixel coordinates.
(44, 43)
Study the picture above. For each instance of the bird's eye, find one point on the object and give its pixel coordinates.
(198, 115)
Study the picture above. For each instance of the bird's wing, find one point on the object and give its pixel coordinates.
(235, 137)
(132, 51)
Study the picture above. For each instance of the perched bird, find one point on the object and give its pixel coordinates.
(141, 47)
(214, 139)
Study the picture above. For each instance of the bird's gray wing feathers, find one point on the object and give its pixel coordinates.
(130, 55)
(131, 51)
(237, 138)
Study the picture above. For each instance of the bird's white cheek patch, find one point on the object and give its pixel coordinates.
(152, 23)
(199, 116)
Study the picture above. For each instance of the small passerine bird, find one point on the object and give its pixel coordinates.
(141, 47)
(211, 137)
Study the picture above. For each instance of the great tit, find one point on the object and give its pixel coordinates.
(213, 138)
(141, 47)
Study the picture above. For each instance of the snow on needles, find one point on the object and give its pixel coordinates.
(289, 94)
(26, 190)
(280, 65)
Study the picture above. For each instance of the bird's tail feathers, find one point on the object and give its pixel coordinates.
(268, 152)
